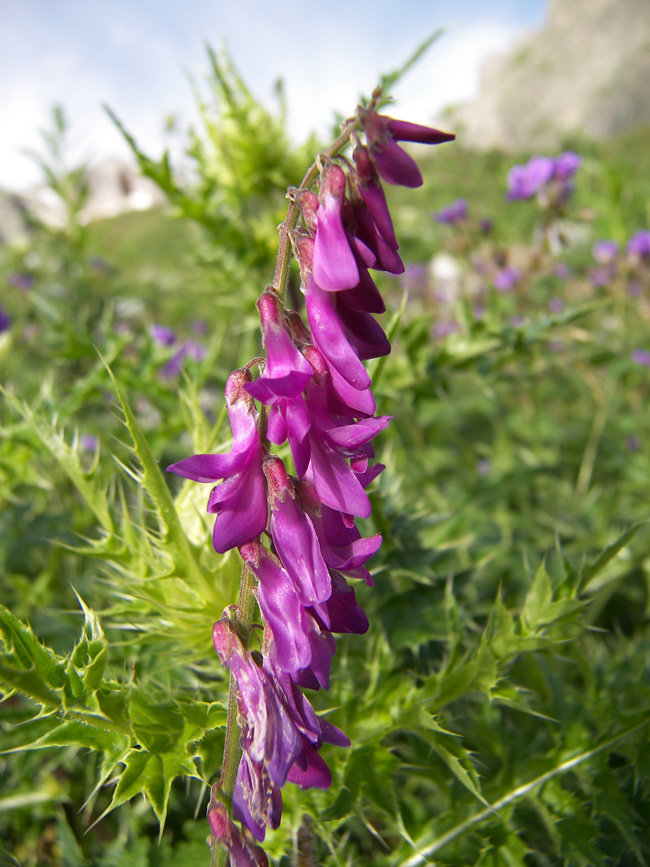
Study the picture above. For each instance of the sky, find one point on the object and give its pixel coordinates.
(139, 56)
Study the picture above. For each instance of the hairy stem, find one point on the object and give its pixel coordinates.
(243, 619)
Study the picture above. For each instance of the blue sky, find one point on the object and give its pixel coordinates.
(136, 56)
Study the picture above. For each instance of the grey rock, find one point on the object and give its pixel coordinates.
(586, 73)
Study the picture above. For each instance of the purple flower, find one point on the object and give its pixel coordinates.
(641, 356)
(20, 281)
(506, 279)
(240, 501)
(372, 193)
(639, 244)
(287, 372)
(285, 615)
(566, 165)
(5, 320)
(393, 163)
(268, 734)
(295, 538)
(452, 214)
(526, 180)
(556, 305)
(162, 335)
(243, 853)
(334, 264)
(605, 252)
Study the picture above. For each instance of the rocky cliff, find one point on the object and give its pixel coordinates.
(586, 72)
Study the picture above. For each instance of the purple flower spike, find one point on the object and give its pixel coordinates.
(393, 164)
(335, 266)
(240, 501)
(526, 180)
(287, 372)
(295, 538)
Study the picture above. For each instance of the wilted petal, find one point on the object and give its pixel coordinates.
(256, 802)
(281, 608)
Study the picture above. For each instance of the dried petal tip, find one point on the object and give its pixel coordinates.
(243, 852)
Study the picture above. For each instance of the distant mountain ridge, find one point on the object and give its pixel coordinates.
(114, 187)
(586, 72)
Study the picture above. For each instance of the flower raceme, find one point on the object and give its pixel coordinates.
(314, 393)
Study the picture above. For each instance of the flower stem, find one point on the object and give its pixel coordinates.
(242, 616)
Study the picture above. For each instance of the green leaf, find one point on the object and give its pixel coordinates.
(588, 573)
(152, 775)
(173, 538)
(68, 459)
(540, 609)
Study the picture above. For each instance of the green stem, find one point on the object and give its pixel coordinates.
(243, 620)
(425, 850)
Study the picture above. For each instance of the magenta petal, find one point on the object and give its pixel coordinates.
(287, 371)
(277, 428)
(365, 296)
(256, 802)
(243, 515)
(331, 734)
(351, 437)
(297, 545)
(330, 337)
(282, 610)
(315, 775)
(364, 333)
(209, 468)
(395, 165)
(342, 613)
(335, 483)
(355, 555)
(334, 265)
(404, 130)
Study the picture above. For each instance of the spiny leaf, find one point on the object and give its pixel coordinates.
(174, 538)
(68, 459)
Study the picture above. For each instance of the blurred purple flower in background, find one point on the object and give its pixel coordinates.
(556, 304)
(162, 335)
(641, 356)
(444, 329)
(451, 214)
(525, 180)
(20, 281)
(605, 252)
(506, 279)
(5, 320)
(561, 270)
(639, 244)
